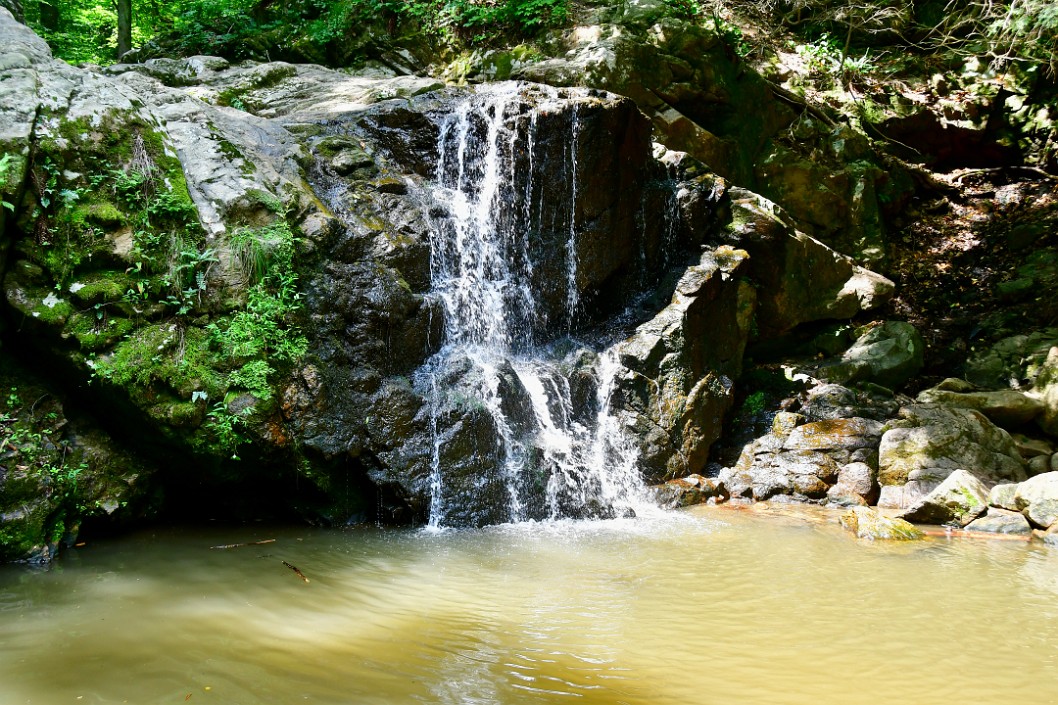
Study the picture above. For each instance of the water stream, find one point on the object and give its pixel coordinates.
(712, 606)
(484, 271)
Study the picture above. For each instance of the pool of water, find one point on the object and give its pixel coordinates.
(710, 606)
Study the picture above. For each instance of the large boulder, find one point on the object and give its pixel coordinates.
(888, 354)
(800, 279)
(929, 442)
(959, 499)
(833, 401)
(680, 364)
(1037, 498)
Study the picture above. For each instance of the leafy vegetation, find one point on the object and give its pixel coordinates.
(86, 30)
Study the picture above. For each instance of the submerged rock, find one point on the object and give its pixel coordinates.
(867, 523)
(690, 490)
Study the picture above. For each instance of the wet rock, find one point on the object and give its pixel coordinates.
(1001, 521)
(686, 491)
(867, 523)
(1037, 498)
(856, 485)
(888, 354)
(931, 441)
(959, 499)
(1006, 407)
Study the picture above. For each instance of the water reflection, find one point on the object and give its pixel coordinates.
(708, 606)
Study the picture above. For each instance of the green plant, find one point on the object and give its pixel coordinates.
(828, 55)
(6, 167)
(687, 9)
(226, 426)
(730, 35)
(753, 404)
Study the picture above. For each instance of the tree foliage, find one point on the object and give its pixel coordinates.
(86, 30)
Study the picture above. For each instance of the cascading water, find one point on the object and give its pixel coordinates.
(497, 203)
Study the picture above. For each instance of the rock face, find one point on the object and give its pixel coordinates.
(58, 470)
(376, 279)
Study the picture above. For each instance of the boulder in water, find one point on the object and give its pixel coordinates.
(959, 499)
(1001, 521)
(1037, 498)
(690, 490)
(868, 523)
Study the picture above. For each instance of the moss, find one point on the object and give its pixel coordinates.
(52, 309)
(103, 214)
(100, 287)
(266, 199)
(96, 333)
(165, 356)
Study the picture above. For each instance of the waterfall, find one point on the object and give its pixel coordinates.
(496, 204)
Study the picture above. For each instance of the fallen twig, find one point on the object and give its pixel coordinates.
(250, 543)
(296, 571)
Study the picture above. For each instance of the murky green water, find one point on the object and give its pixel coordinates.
(713, 606)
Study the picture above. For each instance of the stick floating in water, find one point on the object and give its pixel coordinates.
(296, 571)
(240, 545)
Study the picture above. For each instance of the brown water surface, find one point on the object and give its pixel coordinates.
(709, 606)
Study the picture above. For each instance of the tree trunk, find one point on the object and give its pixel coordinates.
(49, 15)
(124, 27)
(15, 6)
